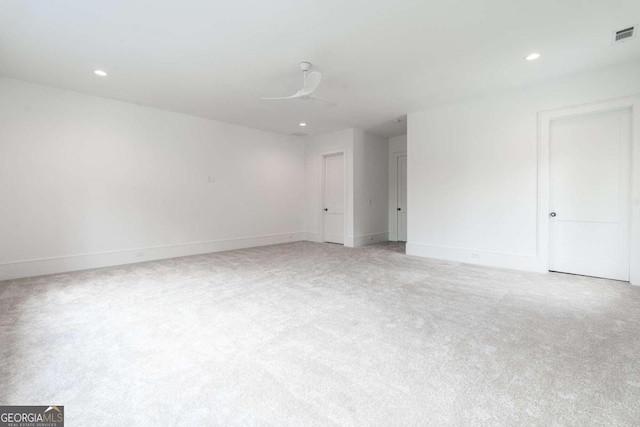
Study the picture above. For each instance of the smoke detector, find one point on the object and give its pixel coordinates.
(624, 35)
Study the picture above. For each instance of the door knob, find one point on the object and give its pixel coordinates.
(326, 210)
(552, 214)
(399, 209)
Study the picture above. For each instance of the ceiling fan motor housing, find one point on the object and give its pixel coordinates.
(305, 66)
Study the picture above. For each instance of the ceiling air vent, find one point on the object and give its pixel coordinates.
(623, 35)
(299, 134)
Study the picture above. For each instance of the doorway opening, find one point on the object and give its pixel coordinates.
(580, 231)
(333, 198)
(398, 210)
(401, 195)
(590, 194)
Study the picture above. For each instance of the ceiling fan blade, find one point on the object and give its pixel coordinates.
(298, 94)
(312, 83)
(323, 102)
(280, 99)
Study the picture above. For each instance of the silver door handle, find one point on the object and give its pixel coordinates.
(552, 214)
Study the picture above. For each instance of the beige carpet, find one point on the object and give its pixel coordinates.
(312, 334)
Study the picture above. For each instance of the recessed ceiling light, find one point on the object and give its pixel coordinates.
(303, 124)
(397, 121)
(532, 56)
(101, 73)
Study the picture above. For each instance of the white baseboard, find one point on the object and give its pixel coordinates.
(313, 237)
(471, 256)
(370, 239)
(393, 236)
(350, 241)
(40, 267)
(317, 237)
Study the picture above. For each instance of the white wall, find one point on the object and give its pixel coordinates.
(397, 145)
(472, 171)
(315, 148)
(371, 194)
(88, 182)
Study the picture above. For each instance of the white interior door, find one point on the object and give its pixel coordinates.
(590, 195)
(333, 213)
(402, 198)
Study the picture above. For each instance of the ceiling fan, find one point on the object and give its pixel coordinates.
(310, 83)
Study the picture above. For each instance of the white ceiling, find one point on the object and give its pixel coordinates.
(380, 59)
